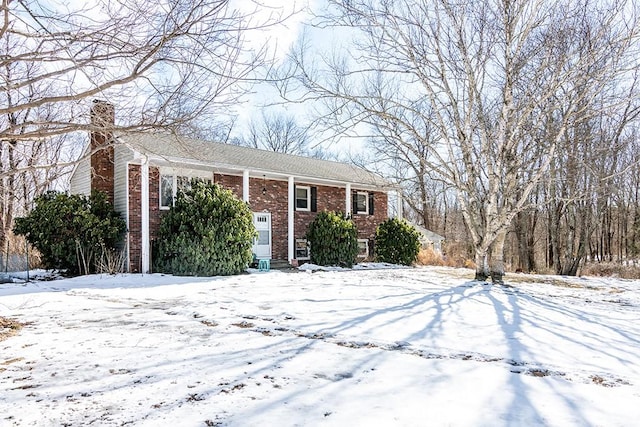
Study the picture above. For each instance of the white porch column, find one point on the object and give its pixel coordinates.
(245, 186)
(347, 198)
(144, 216)
(291, 223)
(399, 202)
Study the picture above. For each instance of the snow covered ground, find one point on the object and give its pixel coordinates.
(371, 347)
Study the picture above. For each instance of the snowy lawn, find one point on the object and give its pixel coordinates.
(390, 347)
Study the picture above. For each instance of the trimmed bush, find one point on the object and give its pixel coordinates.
(208, 232)
(397, 242)
(333, 239)
(71, 232)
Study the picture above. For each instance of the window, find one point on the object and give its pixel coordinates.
(170, 185)
(303, 198)
(362, 203)
(166, 191)
(302, 249)
(363, 248)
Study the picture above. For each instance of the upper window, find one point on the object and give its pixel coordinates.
(166, 191)
(362, 203)
(171, 184)
(303, 198)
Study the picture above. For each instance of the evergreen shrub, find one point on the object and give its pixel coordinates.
(397, 242)
(72, 232)
(333, 239)
(208, 232)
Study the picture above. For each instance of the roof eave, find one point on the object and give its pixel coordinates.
(263, 172)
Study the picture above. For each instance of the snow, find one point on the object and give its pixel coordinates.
(362, 347)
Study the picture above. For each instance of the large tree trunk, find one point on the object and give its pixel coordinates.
(496, 265)
(482, 267)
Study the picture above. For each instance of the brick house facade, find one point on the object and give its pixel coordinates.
(141, 171)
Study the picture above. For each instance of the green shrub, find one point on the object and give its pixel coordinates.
(333, 240)
(208, 232)
(71, 232)
(397, 242)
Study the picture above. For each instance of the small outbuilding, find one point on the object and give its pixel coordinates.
(429, 239)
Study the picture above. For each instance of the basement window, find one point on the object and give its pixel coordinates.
(302, 249)
(363, 248)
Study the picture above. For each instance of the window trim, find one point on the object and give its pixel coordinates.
(366, 203)
(308, 189)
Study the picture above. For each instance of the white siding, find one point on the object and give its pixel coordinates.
(81, 178)
(122, 155)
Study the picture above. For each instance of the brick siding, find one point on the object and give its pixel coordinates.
(135, 219)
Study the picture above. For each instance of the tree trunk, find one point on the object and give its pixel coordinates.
(482, 267)
(497, 259)
(524, 227)
(531, 243)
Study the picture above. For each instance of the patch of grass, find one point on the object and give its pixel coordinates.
(611, 269)
(209, 323)
(554, 281)
(9, 327)
(243, 325)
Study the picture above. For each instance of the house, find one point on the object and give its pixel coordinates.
(142, 172)
(429, 239)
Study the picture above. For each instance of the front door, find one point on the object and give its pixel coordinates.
(262, 244)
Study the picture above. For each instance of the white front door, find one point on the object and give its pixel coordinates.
(262, 244)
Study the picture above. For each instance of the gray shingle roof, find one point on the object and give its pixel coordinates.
(428, 234)
(186, 150)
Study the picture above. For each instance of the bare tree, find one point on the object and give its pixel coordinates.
(163, 64)
(177, 65)
(277, 132)
(500, 82)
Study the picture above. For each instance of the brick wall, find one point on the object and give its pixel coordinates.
(333, 199)
(367, 223)
(230, 182)
(135, 220)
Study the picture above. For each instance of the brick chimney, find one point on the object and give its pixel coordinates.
(101, 136)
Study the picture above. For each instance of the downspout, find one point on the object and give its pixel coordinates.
(291, 220)
(347, 198)
(399, 200)
(144, 216)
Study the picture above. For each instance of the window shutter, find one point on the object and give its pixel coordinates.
(370, 203)
(314, 199)
(354, 203)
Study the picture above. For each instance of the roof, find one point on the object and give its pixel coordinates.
(186, 150)
(428, 234)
